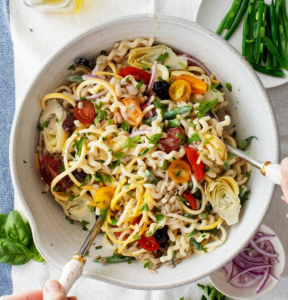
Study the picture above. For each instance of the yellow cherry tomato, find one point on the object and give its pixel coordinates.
(179, 171)
(103, 196)
(180, 90)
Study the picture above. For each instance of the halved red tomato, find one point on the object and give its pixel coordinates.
(49, 169)
(146, 242)
(136, 73)
(198, 169)
(190, 199)
(86, 114)
(172, 141)
(117, 234)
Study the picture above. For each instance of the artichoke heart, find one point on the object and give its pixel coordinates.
(213, 94)
(218, 145)
(53, 133)
(222, 193)
(77, 210)
(139, 57)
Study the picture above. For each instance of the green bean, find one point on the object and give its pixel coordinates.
(277, 8)
(261, 69)
(282, 38)
(237, 20)
(274, 30)
(257, 33)
(169, 114)
(270, 46)
(250, 46)
(232, 13)
(115, 259)
(285, 17)
(75, 78)
(263, 50)
(221, 26)
(269, 56)
(245, 30)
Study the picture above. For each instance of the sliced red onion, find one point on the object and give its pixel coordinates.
(262, 251)
(264, 238)
(263, 281)
(139, 132)
(154, 68)
(146, 104)
(251, 269)
(90, 76)
(197, 62)
(247, 283)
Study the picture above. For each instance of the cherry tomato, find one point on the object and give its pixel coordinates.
(49, 169)
(179, 171)
(198, 169)
(146, 242)
(180, 90)
(117, 234)
(136, 73)
(133, 113)
(103, 196)
(197, 86)
(86, 114)
(190, 199)
(172, 141)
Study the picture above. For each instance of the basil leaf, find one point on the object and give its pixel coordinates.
(119, 155)
(78, 144)
(245, 143)
(151, 177)
(125, 126)
(157, 209)
(37, 256)
(3, 219)
(13, 253)
(16, 229)
(101, 115)
(195, 137)
(129, 143)
(204, 107)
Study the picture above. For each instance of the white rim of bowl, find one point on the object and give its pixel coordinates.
(61, 49)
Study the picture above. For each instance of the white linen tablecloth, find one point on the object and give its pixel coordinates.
(32, 48)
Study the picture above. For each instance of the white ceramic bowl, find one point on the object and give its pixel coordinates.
(252, 112)
(220, 281)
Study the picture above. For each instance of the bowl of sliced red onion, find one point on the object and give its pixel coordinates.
(256, 270)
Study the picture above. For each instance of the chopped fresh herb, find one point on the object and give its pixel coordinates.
(182, 199)
(197, 245)
(187, 215)
(56, 188)
(109, 121)
(229, 87)
(147, 265)
(234, 133)
(203, 236)
(195, 137)
(72, 197)
(174, 257)
(31, 30)
(105, 177)
(78, 144)
(159, 78)
(57, 120)
(90, 208)
(214, 86)
(243, 195)
(85, 222)
(25, 162)
(71, 221)
(245, 143)
(62, 168)
(230, 155)
(171, 243)
(191, 124)
(181, 137)
(104, 212)
(84, 228)
(119, 155)
(98, 247)
(203, 215)
(192, 233)
(208, 207)
(103, 52)
(83, 98)
(207, 140)
(148, 233)
(45, 124)
(146, 68)
(75, 78)
(39, 128)
(226, 165)
(247, 174)
(164, 167)
(43, 192)
(248, 152)
(174, 123)
(178, 173)
(125, 126)
(144, 151)
(182, 65)
(151, 177)
(162, 56)
(168, 67)
(101, 115)
(158, 104)
(137, 237)
(155, 138)
(72, 67)
(159, 217)
(127, 79)
(207, 169)
(144, 207)
(223, 196)
(157, 209)
(129, 143)
(139, 84)
(204, 107)
(205, 250)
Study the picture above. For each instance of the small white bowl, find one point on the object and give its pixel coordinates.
(220, 281)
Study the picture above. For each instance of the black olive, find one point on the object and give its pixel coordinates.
(161, 236)
(68, 123)
(83, 62)
(197, 194)
(161, 88)
(210, 114)
(80, 176)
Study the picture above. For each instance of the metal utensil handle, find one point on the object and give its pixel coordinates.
(272, 171)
